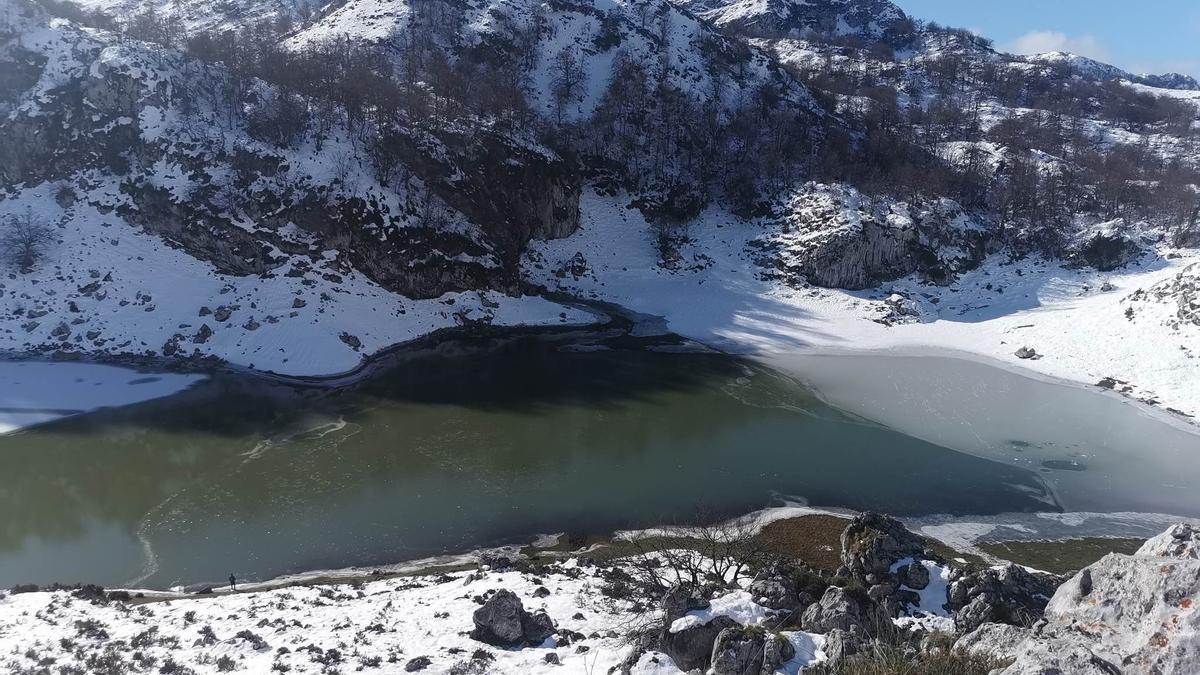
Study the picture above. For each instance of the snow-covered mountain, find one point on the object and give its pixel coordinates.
(874, 20)
(198, 15)
(416, 159)
(1095, 70)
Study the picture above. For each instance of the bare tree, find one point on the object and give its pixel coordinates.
(568, 78)
(721, 554)
(25, 240)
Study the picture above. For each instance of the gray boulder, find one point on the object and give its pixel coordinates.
(202, 335)
(692, 648)
(749, 651)
(1027, 353)
(843, 610)
(502, 621)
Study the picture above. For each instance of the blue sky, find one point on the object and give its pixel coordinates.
(1138, 35)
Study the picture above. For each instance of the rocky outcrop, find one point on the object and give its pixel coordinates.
(786, 587)
(872, 543)
(1182, 290)
(1123, 614)
(503, 621)
(690, 648)
(679, 600)
(749, 651)
(1010, 594)
(1105, 247)
(835, 237)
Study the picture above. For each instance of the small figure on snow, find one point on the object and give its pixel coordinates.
(232, 583)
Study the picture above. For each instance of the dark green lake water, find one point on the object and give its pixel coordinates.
(475, 443)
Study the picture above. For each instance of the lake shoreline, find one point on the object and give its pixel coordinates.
(609, 318)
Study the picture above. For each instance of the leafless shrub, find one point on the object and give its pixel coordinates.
(25, 239)
(720, 554)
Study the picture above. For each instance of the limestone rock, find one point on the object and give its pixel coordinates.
(1123, 614)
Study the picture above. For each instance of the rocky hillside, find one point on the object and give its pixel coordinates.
(728, 607)
(871, 20)
(418, 152)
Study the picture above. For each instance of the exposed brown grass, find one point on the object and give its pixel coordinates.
(816, 539)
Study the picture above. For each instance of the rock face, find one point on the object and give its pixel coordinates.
(1124, 614)
(834, 236)
(503, 621)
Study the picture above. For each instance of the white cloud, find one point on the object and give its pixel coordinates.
(1042, 41)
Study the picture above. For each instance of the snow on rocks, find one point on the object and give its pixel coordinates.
(404, 623)
(930, 582)
(737, 605)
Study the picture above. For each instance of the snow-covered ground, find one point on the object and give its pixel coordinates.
(717, 295)
(34, 392)
(108, 288)
(392, 625)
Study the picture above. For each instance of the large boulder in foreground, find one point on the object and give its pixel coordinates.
(1124, 614)
(692, 648)
(502, 621)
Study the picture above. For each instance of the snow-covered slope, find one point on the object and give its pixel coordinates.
(107, 287)
(192, 16)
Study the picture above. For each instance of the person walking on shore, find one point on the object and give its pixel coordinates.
(232, 583)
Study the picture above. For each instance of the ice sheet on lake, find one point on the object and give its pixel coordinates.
(36, 392)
